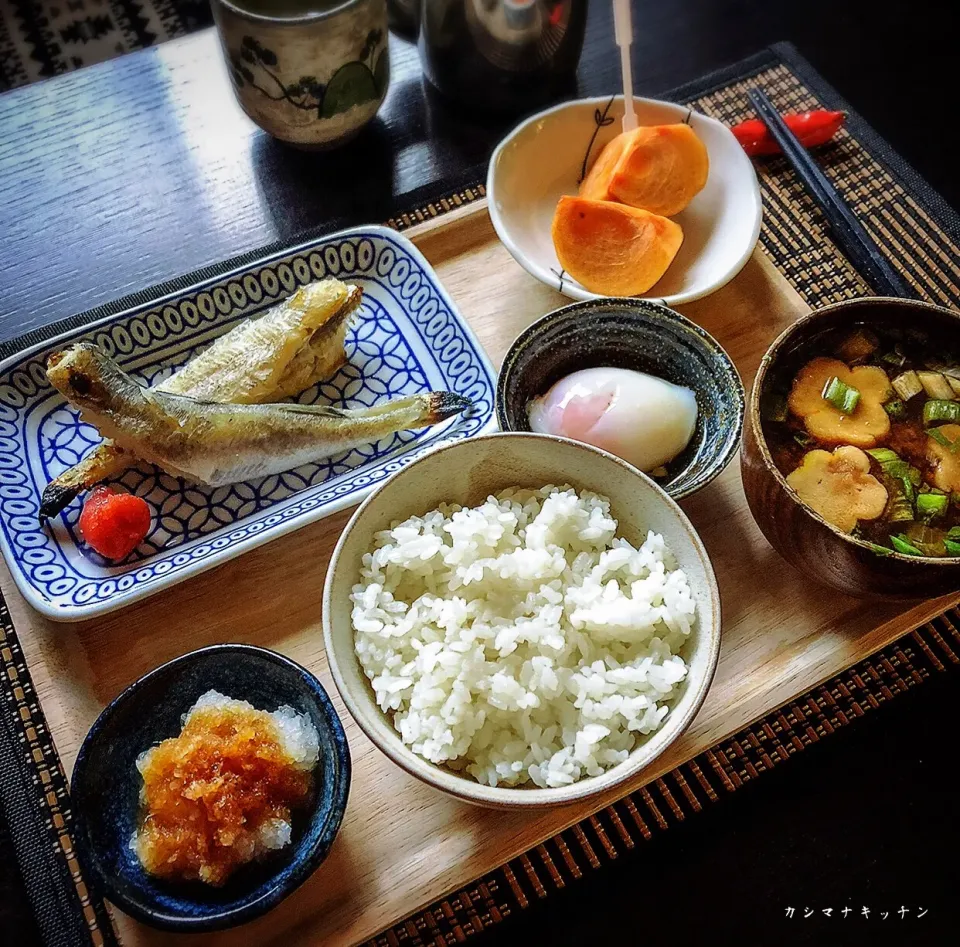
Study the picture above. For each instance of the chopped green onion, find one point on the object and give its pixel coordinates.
(928, 540)
(896, 468)
(954, 534)
(943, 440)
(935, 385)
(930, 505)
(903, 471)
(899, 500)
(938, 410)
(896, 409)
(804, 439)
(879, 550)
(883, 455)
(953, 548)
(907, 385)
(900, 544)
(896, 357)
(842, 396)
(953, 379)
(952, 374)
(909, 488)
(773, 407)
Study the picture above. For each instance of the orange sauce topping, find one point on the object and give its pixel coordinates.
(208, 792)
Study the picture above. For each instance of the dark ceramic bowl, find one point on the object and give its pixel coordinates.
(637, 334)
(806, 540)
(105, 787)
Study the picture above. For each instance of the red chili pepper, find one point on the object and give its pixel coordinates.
(114, 524)
(812, 128)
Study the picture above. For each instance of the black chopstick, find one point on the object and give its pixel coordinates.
(849, 234)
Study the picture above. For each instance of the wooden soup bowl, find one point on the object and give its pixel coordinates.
(819, 550)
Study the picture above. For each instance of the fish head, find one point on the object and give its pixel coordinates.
(82, 373)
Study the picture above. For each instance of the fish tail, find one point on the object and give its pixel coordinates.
(360, 425)
(55, 498)
(410, 411)
(105, 461)
(445, 404)
(323, 354)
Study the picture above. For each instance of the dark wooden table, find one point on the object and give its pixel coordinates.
(127, 174)
(123, 175)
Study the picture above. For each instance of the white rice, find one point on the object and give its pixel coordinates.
(521, 641)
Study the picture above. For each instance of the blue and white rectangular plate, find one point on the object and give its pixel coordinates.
(407, 337)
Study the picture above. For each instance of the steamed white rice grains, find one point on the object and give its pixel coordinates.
(522, 641)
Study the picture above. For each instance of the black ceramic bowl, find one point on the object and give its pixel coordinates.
(647, 337)
(804, 538)
(105, 787)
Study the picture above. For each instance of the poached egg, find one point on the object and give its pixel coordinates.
(643, 419)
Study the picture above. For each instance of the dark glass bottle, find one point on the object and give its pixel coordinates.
(502, 55)
(404, 17)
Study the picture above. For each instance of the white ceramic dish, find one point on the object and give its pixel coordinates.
(548, 155)
(467, 473)
(407, 337)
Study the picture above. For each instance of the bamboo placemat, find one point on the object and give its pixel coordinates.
(596, 843)
(921, 234)
(921, 237)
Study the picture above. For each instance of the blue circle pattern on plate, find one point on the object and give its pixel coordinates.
(405, 340)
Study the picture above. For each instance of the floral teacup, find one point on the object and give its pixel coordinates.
(309, 72)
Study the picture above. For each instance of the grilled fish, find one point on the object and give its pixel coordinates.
(217, 444)
(292, 346)
(289, 348)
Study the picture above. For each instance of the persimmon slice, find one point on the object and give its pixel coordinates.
(612, 249)
(659, 168)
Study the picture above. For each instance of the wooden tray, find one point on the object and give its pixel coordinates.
(402, 844)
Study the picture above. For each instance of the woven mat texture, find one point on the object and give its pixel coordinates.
(47, 37)
(794, 238)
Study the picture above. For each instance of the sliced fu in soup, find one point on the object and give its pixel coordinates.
(865, 427)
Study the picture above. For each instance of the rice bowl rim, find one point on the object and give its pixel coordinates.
(366, 712)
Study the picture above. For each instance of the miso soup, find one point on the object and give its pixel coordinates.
(865, 427)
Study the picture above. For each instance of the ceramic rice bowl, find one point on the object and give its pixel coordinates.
(467, 474)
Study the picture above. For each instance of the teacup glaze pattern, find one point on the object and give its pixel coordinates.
(313, 80)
